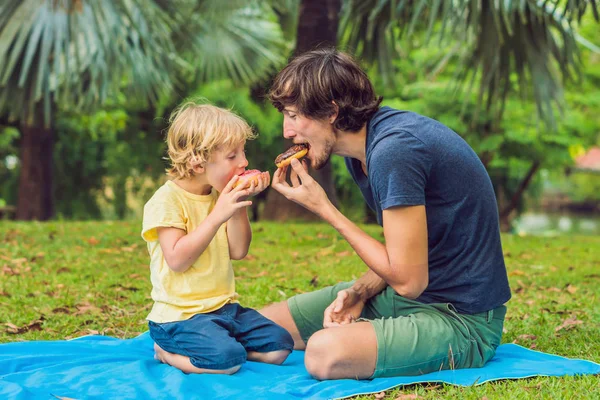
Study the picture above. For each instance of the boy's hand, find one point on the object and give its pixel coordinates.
(232, 199)
(264, 180)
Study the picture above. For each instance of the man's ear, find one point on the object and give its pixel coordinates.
(333, 116)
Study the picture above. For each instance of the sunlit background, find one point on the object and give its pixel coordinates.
(86, 88)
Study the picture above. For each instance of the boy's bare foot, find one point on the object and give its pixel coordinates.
(184, 364)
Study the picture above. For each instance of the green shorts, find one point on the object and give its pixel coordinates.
(412, 338)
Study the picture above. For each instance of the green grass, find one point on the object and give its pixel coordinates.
(66, 279)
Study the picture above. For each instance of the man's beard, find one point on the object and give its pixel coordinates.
(323, 158)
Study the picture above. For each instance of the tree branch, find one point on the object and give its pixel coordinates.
(519, 193)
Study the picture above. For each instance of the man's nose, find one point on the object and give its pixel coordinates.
(287, 132)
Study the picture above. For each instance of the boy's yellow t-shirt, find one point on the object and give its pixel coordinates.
(209, 283)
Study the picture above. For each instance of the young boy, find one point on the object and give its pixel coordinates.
(194, 225)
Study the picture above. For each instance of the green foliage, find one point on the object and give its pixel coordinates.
(80, 278)
(250, 40)
(103, 156)
(522, 47)
(583, 188)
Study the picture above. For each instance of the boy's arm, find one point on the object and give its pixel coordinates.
(239, 234)
(181, 250)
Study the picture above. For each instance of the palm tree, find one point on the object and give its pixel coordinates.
(58, 54)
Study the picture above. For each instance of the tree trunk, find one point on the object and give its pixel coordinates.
(35, 180)
(506, 212)
(317, 27)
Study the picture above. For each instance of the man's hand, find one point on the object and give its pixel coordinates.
(304, 190)
(345, 309)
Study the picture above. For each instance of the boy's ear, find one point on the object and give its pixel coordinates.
(196, 165)
(198, 168)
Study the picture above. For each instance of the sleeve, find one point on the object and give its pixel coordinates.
(162, 210)
(399, 169)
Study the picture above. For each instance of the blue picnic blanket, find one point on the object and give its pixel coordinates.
(101, 367)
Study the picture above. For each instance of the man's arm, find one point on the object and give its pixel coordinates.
(368, 285)
(239, 234)
(402, 262)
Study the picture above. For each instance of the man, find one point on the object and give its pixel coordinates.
(433, 297)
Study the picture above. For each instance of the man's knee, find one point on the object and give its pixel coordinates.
(323, 355)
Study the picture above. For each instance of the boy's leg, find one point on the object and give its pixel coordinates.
(280, 314)
(184, 364)
(198, 344)
(264, 340)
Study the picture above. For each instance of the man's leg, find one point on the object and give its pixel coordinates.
(302, 315)
(348, 351)
(281, 315)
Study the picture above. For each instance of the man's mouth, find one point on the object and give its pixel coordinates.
(308, 148)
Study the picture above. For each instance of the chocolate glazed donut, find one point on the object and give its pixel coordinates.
(296, 151)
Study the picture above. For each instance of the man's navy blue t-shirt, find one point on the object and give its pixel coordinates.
(415, 160)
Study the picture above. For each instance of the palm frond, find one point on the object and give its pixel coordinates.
(244, 45)
(77, 53)
(287, 12)
(533, 39)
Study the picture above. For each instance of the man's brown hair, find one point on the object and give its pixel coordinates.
(315, 79)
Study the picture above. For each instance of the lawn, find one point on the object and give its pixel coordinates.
(67, 279)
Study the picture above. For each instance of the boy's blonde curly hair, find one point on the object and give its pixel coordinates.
(196, 130)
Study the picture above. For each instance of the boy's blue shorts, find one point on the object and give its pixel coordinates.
(222, 338)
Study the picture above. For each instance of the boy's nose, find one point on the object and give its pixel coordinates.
(244, 163)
